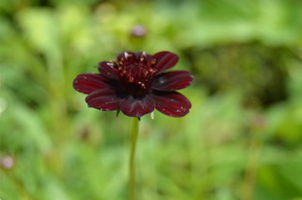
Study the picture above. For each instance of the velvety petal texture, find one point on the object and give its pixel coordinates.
(172, 81)
(135, 84)
(165, 60)
(172, 104)
(88, 82)
(107, 71)
(105, 99)
(137, 107)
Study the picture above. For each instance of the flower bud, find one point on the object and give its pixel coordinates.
(139, 31)
(7, 162)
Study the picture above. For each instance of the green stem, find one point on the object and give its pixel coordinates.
(134, 134)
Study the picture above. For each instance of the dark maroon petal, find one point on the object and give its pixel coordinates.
(137, 107)
(89, 82)
(105, 99)
(172, 81)
(165, 60)
(107, 71)
(172, 104)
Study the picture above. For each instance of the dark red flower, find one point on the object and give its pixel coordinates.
(136, 84)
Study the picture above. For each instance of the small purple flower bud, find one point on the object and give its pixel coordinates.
(139, 31)
(7, 162)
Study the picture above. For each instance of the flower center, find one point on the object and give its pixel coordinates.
(135, 72)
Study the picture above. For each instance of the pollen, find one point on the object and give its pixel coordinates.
(135, 73)
(110, 64)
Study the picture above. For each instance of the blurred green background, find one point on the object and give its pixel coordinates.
(241, 140)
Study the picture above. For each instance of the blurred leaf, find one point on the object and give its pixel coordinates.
(32, 126)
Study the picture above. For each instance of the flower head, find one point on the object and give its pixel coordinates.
(136, 83)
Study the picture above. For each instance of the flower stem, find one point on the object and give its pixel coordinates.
(134, 134)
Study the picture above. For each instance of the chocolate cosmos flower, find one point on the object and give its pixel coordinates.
(135, 84)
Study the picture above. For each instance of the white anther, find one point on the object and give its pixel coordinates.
(144, 53)
(126, 54)
(110, 64)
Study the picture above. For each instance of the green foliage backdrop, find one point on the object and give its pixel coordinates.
(241, 140)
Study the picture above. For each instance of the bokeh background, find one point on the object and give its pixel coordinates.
(241, 140)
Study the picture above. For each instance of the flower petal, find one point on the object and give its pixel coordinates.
(89, 82)
(165, 60)
(172, 104)
(172, 81)
(137, 107)
(105, 99)
(107, 71)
